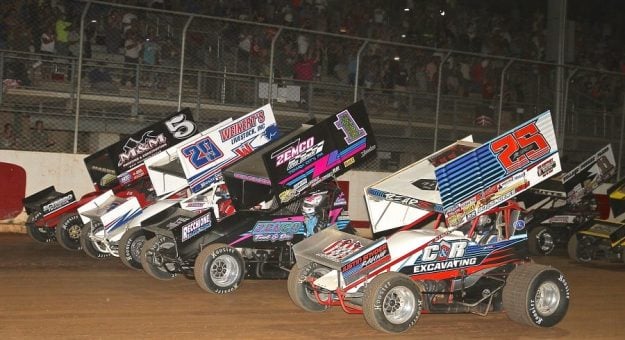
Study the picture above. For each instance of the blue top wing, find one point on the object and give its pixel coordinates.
(498, 170)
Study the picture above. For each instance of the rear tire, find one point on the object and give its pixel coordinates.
(392, 303)
(41, 235)
(130, 246)
(580, 251)
(88, 245)
(301, 291)
(536, 295)
(68, 231)
(219, 269)
(151, 262)
(541, 241)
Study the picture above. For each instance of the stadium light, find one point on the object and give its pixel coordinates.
(406, 9)
(403, 35)
(442, 12)
(396, 58)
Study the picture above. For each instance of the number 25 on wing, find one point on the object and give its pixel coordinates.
(523, 145)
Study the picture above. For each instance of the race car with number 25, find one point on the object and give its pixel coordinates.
(472, 258)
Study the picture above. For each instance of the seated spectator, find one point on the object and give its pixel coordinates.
(101, 80)
(9, 140)
(39, 138)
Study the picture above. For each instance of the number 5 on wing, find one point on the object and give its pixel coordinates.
(520, 147)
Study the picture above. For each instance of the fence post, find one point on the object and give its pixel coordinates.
(255, 95)
(1, 76)
(271, 55)
(620, 146)
(438, 98)
(501, 81)
(135, 109)
(310, 96)
(562, 127)
(182, 54)
(223, 86)
(79, 79)
(362, 47)
(198, 91)
(72, 76)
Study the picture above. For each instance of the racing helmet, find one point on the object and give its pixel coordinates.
(311, 202)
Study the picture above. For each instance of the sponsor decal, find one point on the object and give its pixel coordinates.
(113, 205)
(243, 149)
(275, 231)
(250, 178)
(546, 168)
(129, 176)
(346, 123)
(519, 224)
(373, 258)
(425, 184)
(340, 249)
(179, 220)
(195, 227)
(603, 229)
(287, 195)
(297, 151)
(520, 147)
(202, 152)
(484, 201)
(349, 162)
(560, 219)
(139, 149)
(341, 200)
(409, 201)
(58, 203)
(443, 256)
(242, 129)
(366, 151)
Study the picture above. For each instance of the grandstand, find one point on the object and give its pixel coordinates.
(422, 90)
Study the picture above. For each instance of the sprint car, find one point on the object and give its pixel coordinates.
(53, 215)
(106, 215)
(195, 166)
(282, 193)
(563, 204)
(603, 239)
(472, 257)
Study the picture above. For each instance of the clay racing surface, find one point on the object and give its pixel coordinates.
(48, 292)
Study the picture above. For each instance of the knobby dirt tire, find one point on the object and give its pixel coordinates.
(392, 303)
(219, 269)
(536, 295)
(301, 292)
(68, 231)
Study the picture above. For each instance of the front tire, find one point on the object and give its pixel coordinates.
(89, 245)
(392, 303)
(68, 231)
(152, 262)
(41, 235)
(130, 246)
(536, 295)
(301, 291)
(541, 241)
(580, 251)
(219, 269)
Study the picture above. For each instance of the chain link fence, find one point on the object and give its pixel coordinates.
(137, 64)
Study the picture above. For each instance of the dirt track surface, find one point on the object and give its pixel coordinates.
(48, 292)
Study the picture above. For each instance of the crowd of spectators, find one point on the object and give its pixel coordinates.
(503, 28)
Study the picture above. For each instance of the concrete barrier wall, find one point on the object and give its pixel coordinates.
(67, 172)
(43, 169)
